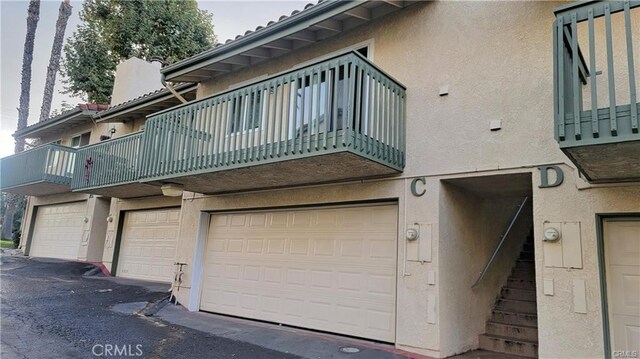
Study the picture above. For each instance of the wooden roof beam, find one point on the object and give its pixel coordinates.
(330, 24)
(360, 13)
(280, 45)
(396, 3)
(304, 35)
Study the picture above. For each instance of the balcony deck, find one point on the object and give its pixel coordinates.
(110, 168)
(337, 120)
(596, 80)
(41, 171)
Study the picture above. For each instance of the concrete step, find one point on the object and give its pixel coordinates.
(522, 319)
(521, 283)
(528, 247)
(527, 255)
(525, 264)
(516, 306)
(518, 294)
(523, 274)
(512, 331)
(512, 346)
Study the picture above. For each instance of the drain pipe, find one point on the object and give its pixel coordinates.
(164, 82)
(172, 90)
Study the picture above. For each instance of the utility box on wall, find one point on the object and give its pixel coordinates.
(419, 250)
(566, 250)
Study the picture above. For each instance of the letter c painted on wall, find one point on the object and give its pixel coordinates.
(414, 184)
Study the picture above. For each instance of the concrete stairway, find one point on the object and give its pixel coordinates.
(513, 326)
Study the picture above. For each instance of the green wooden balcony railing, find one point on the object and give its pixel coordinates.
(108, 163)
(48, 166)
(341, 104)
(595, 64)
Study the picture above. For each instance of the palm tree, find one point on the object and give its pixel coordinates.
(23, 111)
(54, 61)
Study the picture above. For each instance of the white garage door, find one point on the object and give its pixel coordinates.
(148, 244)
(58, 230)
(622, 255)
(331, 269)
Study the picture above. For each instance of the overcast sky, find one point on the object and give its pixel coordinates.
(230, 18)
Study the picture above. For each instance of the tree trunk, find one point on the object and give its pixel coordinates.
(54, 61)
(23, 110)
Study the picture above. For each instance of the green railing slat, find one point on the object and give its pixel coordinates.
(595, 126)
(630, 62)
(575, 77)
(610, 72)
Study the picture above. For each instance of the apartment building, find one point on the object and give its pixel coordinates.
(441, 176)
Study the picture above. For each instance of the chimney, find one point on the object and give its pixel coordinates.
(134, 78)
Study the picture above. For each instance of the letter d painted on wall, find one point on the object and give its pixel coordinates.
(544, 176)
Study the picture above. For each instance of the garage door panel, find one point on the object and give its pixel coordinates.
(58, 230)
(622, 258)
(148, 244)
(322, 311)
(311, 268)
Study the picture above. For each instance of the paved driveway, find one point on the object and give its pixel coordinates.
(49, 310)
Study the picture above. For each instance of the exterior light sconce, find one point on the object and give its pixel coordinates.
(86, 220)
(172, 190)
(109, 218)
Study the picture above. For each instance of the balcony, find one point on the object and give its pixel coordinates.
(41, 171)
(336, 120)
(110, 168)
(596, 50)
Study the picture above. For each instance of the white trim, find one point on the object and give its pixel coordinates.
(198, 262)
(79, 134)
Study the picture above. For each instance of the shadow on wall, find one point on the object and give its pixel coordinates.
(474, 213)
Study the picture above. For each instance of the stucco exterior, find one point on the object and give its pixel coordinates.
(464, 65)
(448, 137)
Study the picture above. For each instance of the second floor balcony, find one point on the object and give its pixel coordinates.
(596, 64)
(336, 120)
(110, 168)
(44, 170)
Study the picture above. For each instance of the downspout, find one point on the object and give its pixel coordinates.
(171, 89)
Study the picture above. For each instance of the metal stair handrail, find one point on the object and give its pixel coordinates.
(499, 246)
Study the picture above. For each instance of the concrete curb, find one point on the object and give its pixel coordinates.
(102, 268)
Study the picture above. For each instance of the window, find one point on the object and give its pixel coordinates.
(318, 95)
(80, 140)
(245, 112)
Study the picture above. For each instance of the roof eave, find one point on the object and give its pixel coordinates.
(140, 103)
(288, 26)
(48, 124)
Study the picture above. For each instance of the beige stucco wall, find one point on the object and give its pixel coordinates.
(563, 333)
(496, 60)
(471, 225)
(96, 129)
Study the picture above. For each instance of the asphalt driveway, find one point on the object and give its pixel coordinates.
(49, 310)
